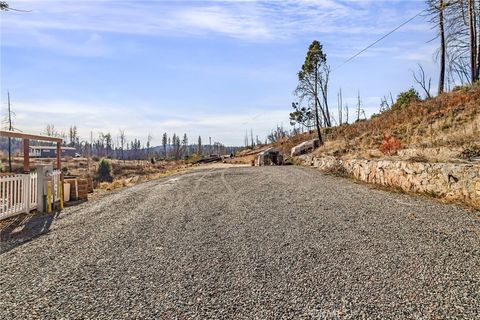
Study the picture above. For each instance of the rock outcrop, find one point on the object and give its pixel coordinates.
(451, 181)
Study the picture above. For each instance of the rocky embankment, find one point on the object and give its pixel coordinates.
(451, 181)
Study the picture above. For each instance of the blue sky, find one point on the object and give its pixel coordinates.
(209, 68)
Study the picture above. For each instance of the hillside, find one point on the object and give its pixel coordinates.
(441, 129)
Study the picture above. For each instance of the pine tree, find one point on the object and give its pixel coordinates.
(313, 80)
(185, 144)
(164, 143)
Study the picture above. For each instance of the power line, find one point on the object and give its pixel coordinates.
(378, 40)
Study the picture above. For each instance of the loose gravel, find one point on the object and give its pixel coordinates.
(249, 243)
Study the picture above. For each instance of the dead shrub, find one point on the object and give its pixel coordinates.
(390, 145)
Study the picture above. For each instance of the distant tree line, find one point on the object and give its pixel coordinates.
(106, 145)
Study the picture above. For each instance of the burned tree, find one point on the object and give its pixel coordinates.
(437, 9)
(421, 79)
(313, 81)
(123, 140)
(459, 52)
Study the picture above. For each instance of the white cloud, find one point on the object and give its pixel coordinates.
(219, 20)
(423, 53)
(228, 128)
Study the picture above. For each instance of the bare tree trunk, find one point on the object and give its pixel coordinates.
(471, 24)
(328, 120)
(317, 118)
(324, 87)
(359, 105)
(441, 81)
(340, 108)
(324, 115)
(346, 113)
(477, 71)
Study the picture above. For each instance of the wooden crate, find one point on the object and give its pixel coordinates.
(78, 188)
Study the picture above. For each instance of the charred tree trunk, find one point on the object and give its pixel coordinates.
(471, 24)
(317, 118)
(441, 81)
(477, 38)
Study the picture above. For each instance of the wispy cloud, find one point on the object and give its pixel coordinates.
(246, 20)
(102, 117)
(216, 19)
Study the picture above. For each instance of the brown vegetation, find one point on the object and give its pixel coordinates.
(125, 173)
(445, 124)
(444, 128)
(448, 120)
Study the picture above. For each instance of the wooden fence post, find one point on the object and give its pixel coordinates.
(26, 156)
(59, 156)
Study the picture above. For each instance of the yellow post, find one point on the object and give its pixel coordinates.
(49, 197)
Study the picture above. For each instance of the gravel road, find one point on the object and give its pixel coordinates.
(249, 243)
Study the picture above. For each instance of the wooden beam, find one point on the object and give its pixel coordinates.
(59, 155)
(19, 135)
(26, 156)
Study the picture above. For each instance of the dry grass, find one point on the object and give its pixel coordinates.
(451, 119)
(135, 179)
(246, 159)
(125, 173)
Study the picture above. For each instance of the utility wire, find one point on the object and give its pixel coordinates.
(18, 10)
(5, 7)
(378, 40)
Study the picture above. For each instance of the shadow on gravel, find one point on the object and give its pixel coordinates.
(23, 229)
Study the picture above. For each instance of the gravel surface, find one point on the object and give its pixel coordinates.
(249, 243)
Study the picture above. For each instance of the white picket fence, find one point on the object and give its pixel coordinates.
(18, 193)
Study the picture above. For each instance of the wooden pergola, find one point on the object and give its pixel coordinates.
(26, 145)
